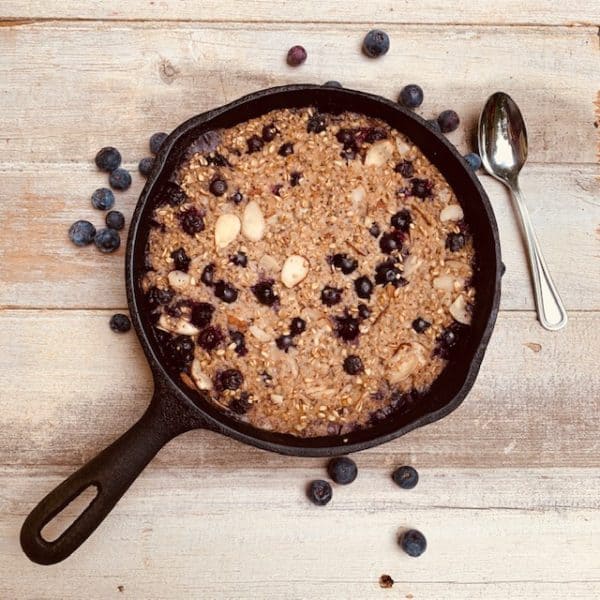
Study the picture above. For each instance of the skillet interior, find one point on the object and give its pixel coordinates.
(452, 386)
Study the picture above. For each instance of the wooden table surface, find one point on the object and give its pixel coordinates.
(509, 496)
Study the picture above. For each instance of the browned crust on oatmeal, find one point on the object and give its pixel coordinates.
(330, 211)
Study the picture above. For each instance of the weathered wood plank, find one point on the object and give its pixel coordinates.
(41, 268)
(70, 386)
(63, 98)
(492, 12)
(182, 534)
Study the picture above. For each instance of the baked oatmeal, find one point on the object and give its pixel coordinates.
(310, 273)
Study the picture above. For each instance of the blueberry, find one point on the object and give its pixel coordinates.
(502, 269)
(180, 259)
(319, 492)
(331, 295)
(420, 325)
(389, 242)
(120, 323)
(145, 165)
(230, 379)
(316, 124)
(386, 272)
(179, 351)
(448, 121)
(345, 137)
(254, 144)
(217, 159)
(82, 233)
(158, 297)
(405, 168)
(363, 287)
(238, 338)
(217, 186)
(346, 264)
(421, 188)
(434, 125)
(240, 259)
(210, 337)
(375, 230)
(363, 311)
(172, 194)
(191, 221)
(225, 292)
(119, 179)
(376, 43)
(269, 132)
(202, 313)
(295, 178)
(207, 276)
(286, 149)
(374, 134)
(276, 189)
(241, 404)
(108, 159)
(455, 241)
(107, 240)
(284, 342)
(297, 326)
(342, 470)
(347, 327)
(103, 199)
(411, 96)
(115, 220)
(237, 197)
(413, 542)
(353, 365)
(405, 477)
(156, 141)
(263, 290)
(296, 56)
(402, 220)
(473, 160)
(333, 83)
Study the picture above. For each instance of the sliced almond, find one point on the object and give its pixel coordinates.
(444, 282)
(277, 399)
(459, 310)
(201, 379)
(452, 212)
(379, 153)
(178, 280)
(402, 146)
(179, 326)
(404, 369)
(227, 228)
(260, 334)
(253, 222)
(294, 270)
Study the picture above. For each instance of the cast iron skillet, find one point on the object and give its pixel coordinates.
(174, 408)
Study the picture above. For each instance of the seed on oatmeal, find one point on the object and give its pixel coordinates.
(227, 228)
(294, 270)
(379, 153)
(201, 379)
(176, 325)
(260, 334)
(444, 283)
(253, 222)
(178, 280)
(452, 212)
(459, 310)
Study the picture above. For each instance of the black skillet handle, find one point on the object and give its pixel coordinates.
(111, 472)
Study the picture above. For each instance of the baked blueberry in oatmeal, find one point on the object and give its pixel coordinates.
(311, 304)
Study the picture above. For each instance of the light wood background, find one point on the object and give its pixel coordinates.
(509, 496)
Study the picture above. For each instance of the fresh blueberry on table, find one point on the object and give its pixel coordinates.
(353, 365)
(107, 240)
(413, 542)
(108, 159)
(82, 233)
(448, 121)
(473, 160)
(115, 220)
(411, 96)
(119, 179)
(156, 141)
(120, 323)
(320, 492)
(145, 165)
(405, 477)
(103, 199)
(342, 470)
(376, 43)
(296, 56)
(333, 83)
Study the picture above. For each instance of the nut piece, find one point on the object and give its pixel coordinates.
(227, 228)
(178, 280)
(452, 212)
(202, 380)
(294, 270)
(402, 146)
(459, 310)
(404, 369)
(444, 282)
(260, 334)
(379, 153)
(253, 222)
(178, 326)
(276, 398)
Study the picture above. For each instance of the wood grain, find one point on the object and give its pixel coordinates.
(375, 12)
(127, 79)
(70, 386)
(41, 268)
(179, 533)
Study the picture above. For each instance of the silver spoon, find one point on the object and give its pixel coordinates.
(503, 150)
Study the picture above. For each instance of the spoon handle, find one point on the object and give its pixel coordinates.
(551, 311)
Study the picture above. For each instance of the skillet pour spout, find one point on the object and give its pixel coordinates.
(175, 408)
